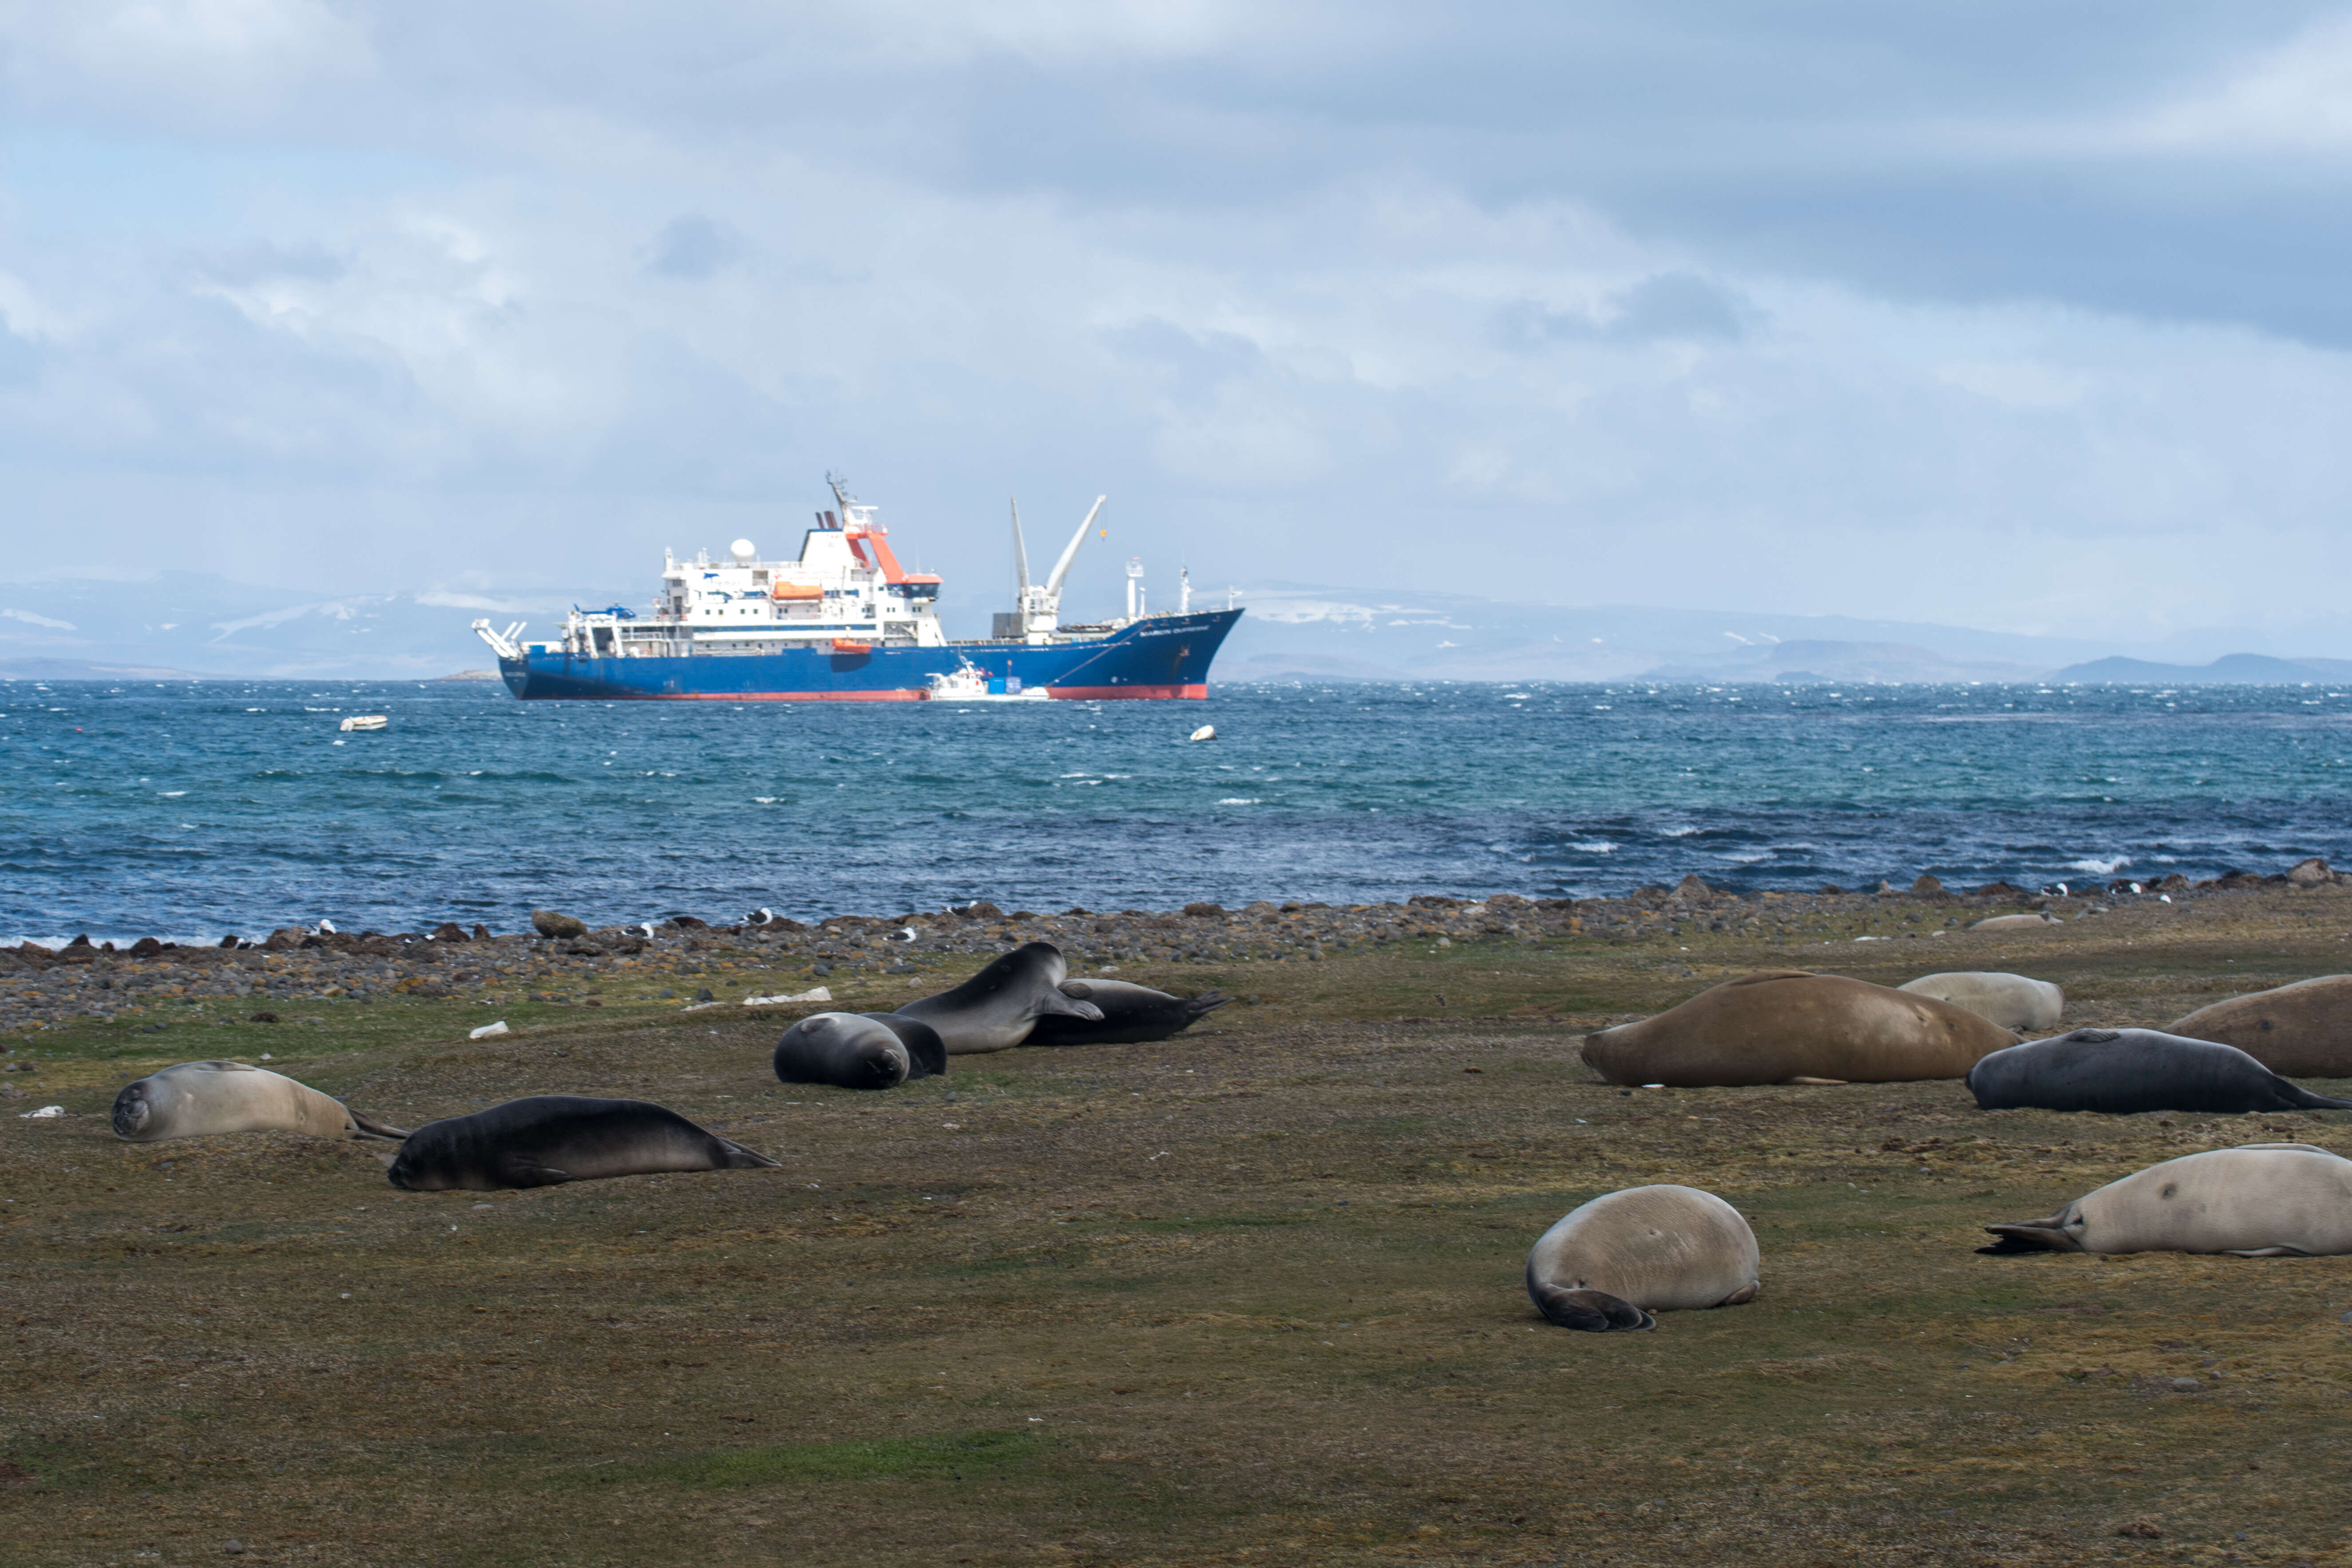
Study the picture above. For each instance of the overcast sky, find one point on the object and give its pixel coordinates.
(2021, 316)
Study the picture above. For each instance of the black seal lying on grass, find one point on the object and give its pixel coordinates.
(1131, 1015)
(2122, 1072)
(552, 1138)
(859, 1050)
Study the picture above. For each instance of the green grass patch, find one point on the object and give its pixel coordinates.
(996, 1455)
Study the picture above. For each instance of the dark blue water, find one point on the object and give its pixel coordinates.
(194, 810)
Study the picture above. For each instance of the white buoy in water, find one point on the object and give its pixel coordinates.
(1205, 733)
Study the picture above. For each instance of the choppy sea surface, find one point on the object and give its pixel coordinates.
(191, 810)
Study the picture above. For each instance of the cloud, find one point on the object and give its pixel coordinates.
(1680, 304)
(692, 248)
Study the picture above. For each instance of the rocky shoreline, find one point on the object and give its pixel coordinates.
(564, 959)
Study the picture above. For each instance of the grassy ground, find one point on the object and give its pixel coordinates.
(1249, 1296)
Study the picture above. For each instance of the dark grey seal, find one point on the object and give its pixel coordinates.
(552, 1138)
(1131, 1013)
(996, 1008)
(859, 1050)
(2122, 1072)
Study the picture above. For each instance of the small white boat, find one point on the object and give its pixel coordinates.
(363, 721)
(968, 683)
(1205, 733)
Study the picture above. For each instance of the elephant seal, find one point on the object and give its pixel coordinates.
(2303, 1030)
(1790, 1026)
(1610, 1264)
(1131, 1013)
(2012, 1000)
(859, 1050)
(2121, 1072)
(2258, 1200)
(552, 1138)
(996, 1008)
(2016, 922)
(195, 1100)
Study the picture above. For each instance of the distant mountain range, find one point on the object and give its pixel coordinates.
(185, 626)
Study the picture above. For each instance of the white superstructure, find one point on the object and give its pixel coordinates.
(846, 591)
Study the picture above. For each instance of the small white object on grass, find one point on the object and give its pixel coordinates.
(819, 995)
(46, 1111)
(487, 1030)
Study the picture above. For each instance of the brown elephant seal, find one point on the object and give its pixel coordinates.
(2016, 922)
(2258, 1200)
(1608, 1265)
(2012, 1000)
(2123, 1072)
(859, 1050)
(996, 1008)
(1790, 1026)
(1131, 1015)
(552, 1138)
(2303, 1030)
(196, 1099)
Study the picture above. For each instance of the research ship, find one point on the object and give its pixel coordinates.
(845, 622)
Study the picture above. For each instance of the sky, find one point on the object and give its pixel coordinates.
(2015, 316)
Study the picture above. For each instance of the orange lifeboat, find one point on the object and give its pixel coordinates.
(794, 591)
(842, 645)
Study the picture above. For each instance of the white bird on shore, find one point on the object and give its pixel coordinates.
(327, 927)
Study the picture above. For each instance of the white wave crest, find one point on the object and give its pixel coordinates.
(2100, 868)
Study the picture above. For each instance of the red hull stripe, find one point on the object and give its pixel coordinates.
(1106, 693)
(901, 696)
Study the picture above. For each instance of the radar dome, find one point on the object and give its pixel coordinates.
(744, 550)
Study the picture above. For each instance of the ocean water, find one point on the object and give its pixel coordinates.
(192, 810)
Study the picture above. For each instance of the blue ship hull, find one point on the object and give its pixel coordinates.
(1161, 657)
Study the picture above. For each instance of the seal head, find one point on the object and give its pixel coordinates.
(997, 1008)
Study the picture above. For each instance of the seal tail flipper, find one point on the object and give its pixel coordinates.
(1815, 1082)
(738, 1158)
(2034, 1236)
(2268, 1252)
(2307, 1100)
(1199, 1007)
(1590, 1311)
(369, 1127)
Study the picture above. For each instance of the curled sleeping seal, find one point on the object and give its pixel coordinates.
(2015, 922)
(2258, 1200)
(552, 1138)
(2012, 1001)
(1788, 1027)
(859, 1050)
(2304, 1030)
(1131, 1013)
(2121, 1072)
(996, 1008)
(1611, 1263)
(195, 1100)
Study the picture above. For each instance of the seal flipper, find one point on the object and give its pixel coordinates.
(2035, 1235)
(1590, 1311)
(369, 1127)
(2307, 1100)
(2267, 1252)
(522, 1170)
(1744, 1295)
(1199, 1007)
(738, 1158)
(1054, 1000)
